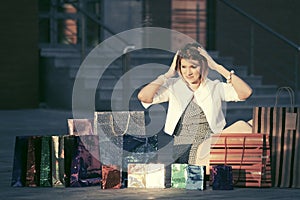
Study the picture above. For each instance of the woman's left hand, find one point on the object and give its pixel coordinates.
(211, 63)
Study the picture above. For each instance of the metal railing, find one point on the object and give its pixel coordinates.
(255, 22)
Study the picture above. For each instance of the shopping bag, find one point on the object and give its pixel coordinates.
(196, 177)
(146, 175)
(20, 162)
(179, 175)
(33, 161)
(111, 177)
(45, 166)
(247, 153)
(81, 126)
(139, 149)
(187, 176)
(82, 161)
(136, 175)
(282, 126)
(57, 161)
(155, 175)
(111, 127)
(222, 177)
(123, 139)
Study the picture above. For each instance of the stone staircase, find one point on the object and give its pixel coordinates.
(116, 93)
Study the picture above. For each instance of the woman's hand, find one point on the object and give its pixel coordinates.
(172, 70)
(243, 90)
(211, 63)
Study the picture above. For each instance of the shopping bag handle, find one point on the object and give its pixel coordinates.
(226, 150)
(290, 92)
(242, 159)
(112, 124)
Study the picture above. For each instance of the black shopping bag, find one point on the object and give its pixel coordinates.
(222, 177)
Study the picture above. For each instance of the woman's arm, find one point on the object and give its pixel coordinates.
(147, 93)
(243, 90)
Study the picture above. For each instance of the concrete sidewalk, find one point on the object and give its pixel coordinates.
(54, 122)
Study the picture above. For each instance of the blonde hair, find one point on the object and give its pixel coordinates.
(190, 51)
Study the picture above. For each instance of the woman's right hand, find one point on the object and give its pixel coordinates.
(172, 70)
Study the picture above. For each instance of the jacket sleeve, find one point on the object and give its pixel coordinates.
(227, 92)
(162, 95)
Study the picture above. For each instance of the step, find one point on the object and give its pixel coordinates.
(60, 51)
(252, 81)
(240, 70)
(260, 100)
(64, 62)
(117, 104)
(110, 79)
(264, 89)
(226, 61)
(264, 95)
(213, 54)
(149, 71)
(94, 72)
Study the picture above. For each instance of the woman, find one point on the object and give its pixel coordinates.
(195, 102)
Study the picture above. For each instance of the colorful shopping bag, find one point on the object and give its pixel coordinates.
(138, 149)
(111, 177)
(196, 177)
(179, 175)
(136, 175)
(45, 166)
(81, 126)
(33, 161)
(20, 161)
(116, 130)
(191, 177)
(57, 161)
(111, 127)
(82, 161)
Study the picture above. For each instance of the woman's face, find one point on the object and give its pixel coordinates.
(190, 71)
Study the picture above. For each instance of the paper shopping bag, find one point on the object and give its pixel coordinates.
(222, 177)
(82, 161)
(81, 126)
(33, 161)
(282, 126)
(45, 166)
(196, 177)
(20, 161)
(57, 161)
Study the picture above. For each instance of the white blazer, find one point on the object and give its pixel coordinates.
(209, 96)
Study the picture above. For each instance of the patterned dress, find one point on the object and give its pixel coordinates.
(191, 131)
